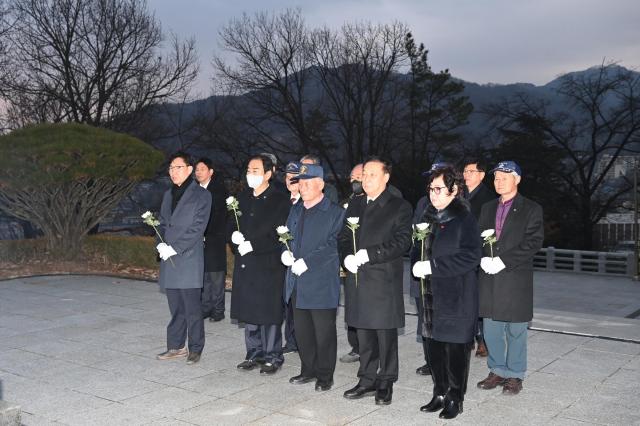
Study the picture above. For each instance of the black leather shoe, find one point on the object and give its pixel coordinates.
(216, 318)
(358, 392)
(323, 386)
(436, 403)
(451, 409)
(247, 364)
(301, 379)
(424, 370)
(383, 396)
(268, 368)
(193, 357)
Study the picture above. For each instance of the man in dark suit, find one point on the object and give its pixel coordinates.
(215, 242)
(374, 305)
(313, 283)
(477, 194)
(258, 275)
(506, 280)
(184, 215)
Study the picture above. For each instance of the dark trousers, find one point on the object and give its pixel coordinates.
(213, 294)
(449, 368)
(186, 319)
(289, 329)
(352, 337)
(264, 343)
(317, 342)
(425, 350)
(378, 357)
(479, 334)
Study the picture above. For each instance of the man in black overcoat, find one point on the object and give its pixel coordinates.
(215, 241)
(477, 193)
(258, 274)
(374, 303)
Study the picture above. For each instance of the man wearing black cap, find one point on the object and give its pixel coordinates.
(291, 180)
(312, 281)
(506, 280)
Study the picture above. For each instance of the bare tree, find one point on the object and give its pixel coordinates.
(358, 67)
(598, 122)
(272, 69)
(100, 62)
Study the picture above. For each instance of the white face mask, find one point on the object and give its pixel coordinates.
(254, 181)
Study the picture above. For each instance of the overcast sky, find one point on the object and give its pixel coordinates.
(483, 41)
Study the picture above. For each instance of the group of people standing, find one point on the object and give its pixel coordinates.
(471, 257)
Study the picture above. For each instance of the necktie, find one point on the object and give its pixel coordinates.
(293, 200)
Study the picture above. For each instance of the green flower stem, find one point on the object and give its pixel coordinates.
(353, 231)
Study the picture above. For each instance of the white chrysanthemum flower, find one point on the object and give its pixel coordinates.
(422, 226)
(487, 233)
(282, 229)
(345, 205)
(353, 220)
(146, 214)
(230, 200)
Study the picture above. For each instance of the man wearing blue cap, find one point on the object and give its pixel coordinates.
(512, 227)
(312, 280)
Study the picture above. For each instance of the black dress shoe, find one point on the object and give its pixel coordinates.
(216, 318)
(301, 379)
(323, 386)
(358, 392)
(451, 409)
(288, 350)
(424, 370)
(268, 368)
(247, 364)
(436, 403)
(383, 396)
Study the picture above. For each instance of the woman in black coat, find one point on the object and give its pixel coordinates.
(451, 290)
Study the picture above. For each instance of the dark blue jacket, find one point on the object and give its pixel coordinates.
(315, 239)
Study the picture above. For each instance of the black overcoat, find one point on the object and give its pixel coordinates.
(258, 277)
(454, 250)
(478, 198)
(385, 231)
(508, 295)
(215, 236)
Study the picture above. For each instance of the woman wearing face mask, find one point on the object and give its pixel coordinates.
(451, 291)
(258, 274)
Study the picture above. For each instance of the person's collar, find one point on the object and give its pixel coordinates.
(310, 204)
(184, 184)
(509, 201)
(206, 184)
(257, 194)
(296, 197)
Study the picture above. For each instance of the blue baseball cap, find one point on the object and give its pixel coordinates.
(508, 167)
(435, 166)
(310, 171)
(293, 167)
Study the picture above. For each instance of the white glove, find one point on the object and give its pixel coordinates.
(421, 269)
(165, 251)
(299, 267)
(498, 265)
(351, 263)
(287, 258)
(244, 248)
(237, 237)
(362, 257)
(162, 247)
(486, 264)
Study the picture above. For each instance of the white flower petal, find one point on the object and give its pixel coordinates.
(422, 226)
(487, 233)
(146, 214)
(230, 200)
(353, 220)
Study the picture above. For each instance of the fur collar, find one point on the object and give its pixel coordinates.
(457, 208)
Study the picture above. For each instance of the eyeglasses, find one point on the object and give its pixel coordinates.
(176, 168)
(437, 189)
(470, 172)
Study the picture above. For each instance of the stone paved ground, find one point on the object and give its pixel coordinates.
(80, 351)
